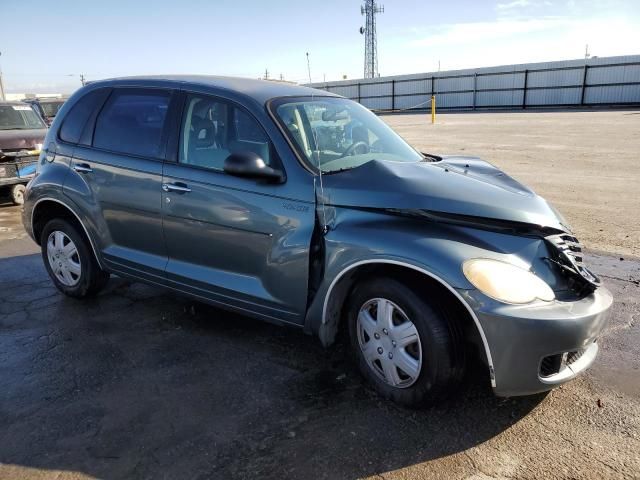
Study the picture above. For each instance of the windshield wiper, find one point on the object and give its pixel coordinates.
(337, 170)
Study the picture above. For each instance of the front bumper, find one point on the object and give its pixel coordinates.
(520, 337)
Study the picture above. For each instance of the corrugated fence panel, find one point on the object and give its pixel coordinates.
(506, 98)
(558, 78)
(454, 100)
(507, 80)
(618, 74)
(413, 87)
(453, 84)
(349, 91)
(375, 89)
(608, 81)
(383, 103)
(614, 94)
(557, 96)
(414, 101)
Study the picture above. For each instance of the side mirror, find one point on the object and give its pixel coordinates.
(249, 164)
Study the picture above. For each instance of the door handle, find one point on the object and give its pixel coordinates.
(82, 168)
(175, 187)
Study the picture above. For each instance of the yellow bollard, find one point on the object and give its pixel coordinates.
(433, 109)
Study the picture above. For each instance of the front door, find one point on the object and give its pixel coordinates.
(238, 242)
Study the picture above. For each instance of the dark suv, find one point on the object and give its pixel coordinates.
(303, 208)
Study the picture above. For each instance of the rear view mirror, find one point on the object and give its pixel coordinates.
(251, 165)
(333, 115)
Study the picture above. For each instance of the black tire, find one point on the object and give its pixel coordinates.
(442, 347)
(92, 278)
(17, 194)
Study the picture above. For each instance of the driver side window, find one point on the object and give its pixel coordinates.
(213, 129)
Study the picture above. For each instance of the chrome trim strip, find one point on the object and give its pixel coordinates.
(33, 210)
(429, 274)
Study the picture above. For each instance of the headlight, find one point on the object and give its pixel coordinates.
(505, 282)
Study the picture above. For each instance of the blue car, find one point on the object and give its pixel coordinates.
(303, 208)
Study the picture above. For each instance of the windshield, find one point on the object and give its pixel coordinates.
(19, 117)
(50, 109)
(335, 134)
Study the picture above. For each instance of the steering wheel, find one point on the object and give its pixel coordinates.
(359, 148)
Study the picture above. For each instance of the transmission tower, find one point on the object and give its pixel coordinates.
(369, 9)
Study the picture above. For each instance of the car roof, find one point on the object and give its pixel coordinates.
(259, 90)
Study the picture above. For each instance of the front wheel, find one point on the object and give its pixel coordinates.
(69, 260)
(17, 194)
(405, 345)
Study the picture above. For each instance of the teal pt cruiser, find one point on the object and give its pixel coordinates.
(303, 208)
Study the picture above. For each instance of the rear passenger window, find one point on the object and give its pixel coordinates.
(213, 129)
(75, 121)
(132, 122)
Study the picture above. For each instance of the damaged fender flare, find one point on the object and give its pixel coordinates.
(429, 274)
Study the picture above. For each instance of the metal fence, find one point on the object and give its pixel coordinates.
(605, 81)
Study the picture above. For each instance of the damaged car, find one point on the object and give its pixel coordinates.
(22, 133)
(303, 208)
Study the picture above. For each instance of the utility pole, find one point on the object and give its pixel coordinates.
(2, 97)
(369, 10)
(309, 67)
(266, 74)
(82, 80)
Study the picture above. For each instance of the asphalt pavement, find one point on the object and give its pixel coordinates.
(141, 383)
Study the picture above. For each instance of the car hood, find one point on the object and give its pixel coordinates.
(27, 139)
(453, 188)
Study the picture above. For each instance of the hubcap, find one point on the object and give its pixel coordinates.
(389, 342)
(64, 259)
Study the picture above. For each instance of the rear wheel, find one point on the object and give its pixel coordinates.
(404, 344)
(17, 194)
(69, 260)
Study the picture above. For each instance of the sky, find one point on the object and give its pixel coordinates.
(45, 45)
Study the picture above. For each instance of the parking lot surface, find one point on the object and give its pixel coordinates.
(141, 383)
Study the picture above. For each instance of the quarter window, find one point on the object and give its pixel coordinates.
(132, 122)
(76, 119)
(213, 129)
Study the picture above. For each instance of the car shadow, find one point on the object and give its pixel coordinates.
(139, 382)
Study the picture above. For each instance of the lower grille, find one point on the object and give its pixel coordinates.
(554, 364)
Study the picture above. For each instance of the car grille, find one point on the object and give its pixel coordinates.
(8, 170)
(569, 257)
(568, 245)
(553, 364)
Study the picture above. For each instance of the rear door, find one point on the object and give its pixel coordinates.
(242, 243)
(121, 167)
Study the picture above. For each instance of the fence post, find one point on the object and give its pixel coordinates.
(393, 94)
(584, 84)
(475, 85)
(524, 91)
(359, 92)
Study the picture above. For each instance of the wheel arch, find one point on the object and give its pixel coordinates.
(343, 283)
(48, 208)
